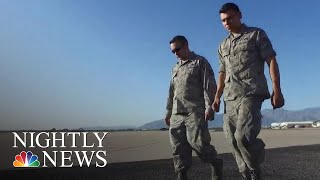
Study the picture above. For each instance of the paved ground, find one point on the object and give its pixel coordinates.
(291, 163)
(290, 155)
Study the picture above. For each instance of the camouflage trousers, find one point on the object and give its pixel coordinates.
(242, 124)
(190, 132)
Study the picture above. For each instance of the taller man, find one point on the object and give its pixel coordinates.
(241, 78)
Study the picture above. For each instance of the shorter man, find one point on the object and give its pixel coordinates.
(191, 96)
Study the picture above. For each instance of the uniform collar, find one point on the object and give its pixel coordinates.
(244, 29)
(191, 57)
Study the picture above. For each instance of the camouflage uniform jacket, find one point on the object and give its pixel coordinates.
(192, 86)
(241, 58)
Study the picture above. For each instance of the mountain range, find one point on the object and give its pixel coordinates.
(268, 116)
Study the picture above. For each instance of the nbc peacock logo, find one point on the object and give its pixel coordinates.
(26, 160)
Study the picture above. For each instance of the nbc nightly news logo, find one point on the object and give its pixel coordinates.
(46, 140)
(26, 160)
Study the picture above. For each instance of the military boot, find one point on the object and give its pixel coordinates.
(182, 175)
(217, 169)
(256, 175)
(245, 175)
(252, 175)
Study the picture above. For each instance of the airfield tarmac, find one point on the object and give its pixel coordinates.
(291, 154)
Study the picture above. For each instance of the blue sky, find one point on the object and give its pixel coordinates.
(70, 64)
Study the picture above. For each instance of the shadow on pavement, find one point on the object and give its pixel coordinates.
(290, 163)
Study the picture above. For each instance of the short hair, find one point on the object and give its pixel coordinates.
(229, 6)
(179, 38)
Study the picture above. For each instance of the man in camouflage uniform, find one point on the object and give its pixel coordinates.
(241, 78)
(189, 108)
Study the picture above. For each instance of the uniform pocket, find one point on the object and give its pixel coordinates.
(246, 46)
(191, 69)
(225, 52)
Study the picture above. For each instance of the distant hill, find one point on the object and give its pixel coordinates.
(281, 115)
(108, 128)
(269, 116)
(160, 123)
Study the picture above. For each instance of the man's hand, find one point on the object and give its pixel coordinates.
(167, 120)
(277, 100)
(209, 115)
(216, 104)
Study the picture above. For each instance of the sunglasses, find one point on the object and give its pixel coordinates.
(175, 50)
